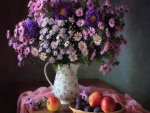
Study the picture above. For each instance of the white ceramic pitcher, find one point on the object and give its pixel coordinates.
(65, 85)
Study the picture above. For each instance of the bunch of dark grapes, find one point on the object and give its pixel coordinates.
(83, 105)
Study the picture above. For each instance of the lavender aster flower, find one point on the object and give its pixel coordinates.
(32, 28)
(63, 11)
(92, 17)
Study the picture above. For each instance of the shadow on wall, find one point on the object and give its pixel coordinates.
(132, 75)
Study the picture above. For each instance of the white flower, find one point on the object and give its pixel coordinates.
(63, 36)
(48, 50)
(62, 30)
(40, 49)
(67, 43)
(48, 36)
(77, 36)
(73, 56)
(59, 57)
(45, 44)
(41, 37)
(58, 36)
(54, 45)
(51, 60)
(85, 52)
(51, 32)
(71, 19)
(55, 53)
(55, 28)
(43, 56)
(34, 51)
(60, 23)
(46, 19)
(97, 39)
(82, 45)
(44, 22)
(71, 32)
(43, 31)
(51, 21)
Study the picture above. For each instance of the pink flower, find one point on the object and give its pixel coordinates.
(112, 22)
(93, 55)
(79, 12)
(121, 8)
(118, 28)
(107, 3)
(31, 41)
(38, 5)
(15, 44)
(116, 48)
(20, 64)
(10, 42)
(125, 41)
(21, 30)
(20, 57)
(80, 23)
(26, 51)
(101, 25)
(85, 34)
(15, 32)
(107, 33)
(127, 10)
(106, 47)
(25, 41)
(90, 4)
(104, 69)
(91, 31)
(19, 48)
(8, 34)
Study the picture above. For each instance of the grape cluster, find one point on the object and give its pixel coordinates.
(83, 104)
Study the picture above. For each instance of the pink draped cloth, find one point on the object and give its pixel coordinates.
(131, 106)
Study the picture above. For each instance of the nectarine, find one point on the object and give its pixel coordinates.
(53, 103)
(95, 99)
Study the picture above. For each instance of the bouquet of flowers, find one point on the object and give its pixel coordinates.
(70, 31)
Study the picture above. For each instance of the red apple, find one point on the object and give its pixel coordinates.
(53, 103)
(108, 104)
(95, 99)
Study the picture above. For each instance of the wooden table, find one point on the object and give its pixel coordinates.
(26, 86)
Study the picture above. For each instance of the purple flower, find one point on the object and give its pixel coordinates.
(32, 28)
(63, 11)
(84, 95)
(92, 17)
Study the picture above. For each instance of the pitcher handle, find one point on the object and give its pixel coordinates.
(46, 74)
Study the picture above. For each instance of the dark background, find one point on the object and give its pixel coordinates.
(132, 76)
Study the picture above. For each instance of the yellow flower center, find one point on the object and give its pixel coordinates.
(62, 11)
(96, 39)
(93, 18)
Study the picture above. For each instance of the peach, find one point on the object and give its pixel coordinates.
(95, 99)
(53, 103)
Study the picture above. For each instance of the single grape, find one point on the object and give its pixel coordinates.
(79, 99)
(88, 109)
(97, 109)
(84, 104)
(79, 106)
